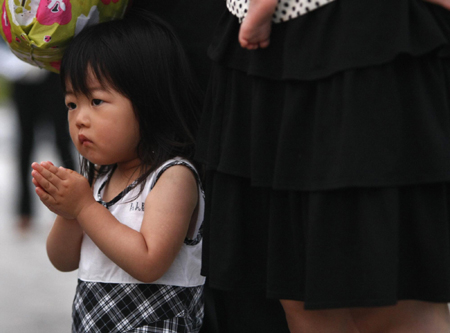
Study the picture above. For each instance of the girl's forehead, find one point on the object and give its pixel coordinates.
(91, 82)
(91, 79)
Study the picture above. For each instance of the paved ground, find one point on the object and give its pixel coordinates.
(34, 297)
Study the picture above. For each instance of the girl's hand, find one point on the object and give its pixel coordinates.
(65, 192)
(443, 3)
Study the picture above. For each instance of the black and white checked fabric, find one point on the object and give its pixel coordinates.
(138, 308)
(285, 10)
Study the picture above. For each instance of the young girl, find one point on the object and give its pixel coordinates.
(133, 227)
(328, 165)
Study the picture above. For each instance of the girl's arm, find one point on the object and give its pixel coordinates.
(64, 239)
(148, 254)
(64, 244)
(145, 255)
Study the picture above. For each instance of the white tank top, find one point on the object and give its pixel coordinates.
(285, 10)
(185, 270)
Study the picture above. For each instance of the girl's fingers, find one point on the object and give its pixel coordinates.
(43, 182)
(46, 174)
(35, 183)
(59, 172)
(45, 179)
(40, 192)
(46, 198)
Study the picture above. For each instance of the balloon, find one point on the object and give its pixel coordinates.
(38, 31)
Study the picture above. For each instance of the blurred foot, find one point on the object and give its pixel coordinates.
(24, 224)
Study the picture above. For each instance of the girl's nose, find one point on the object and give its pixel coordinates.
(82, 118)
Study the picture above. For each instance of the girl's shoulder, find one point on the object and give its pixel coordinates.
(170, 163)
(180, 181)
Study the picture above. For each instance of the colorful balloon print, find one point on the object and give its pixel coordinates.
(6, 26)
(54, 11)
(38, 31)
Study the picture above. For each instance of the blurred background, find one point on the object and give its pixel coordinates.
(34, 297)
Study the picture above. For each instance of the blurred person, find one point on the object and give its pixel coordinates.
(39, 102)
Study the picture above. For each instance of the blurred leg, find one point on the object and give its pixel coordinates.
(23, 96)
(56, 115)
(405, 317)
(305, 321)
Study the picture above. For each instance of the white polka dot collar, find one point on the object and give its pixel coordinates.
(286, 9)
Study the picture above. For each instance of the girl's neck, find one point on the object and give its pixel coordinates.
(129, 169)
(123, 175)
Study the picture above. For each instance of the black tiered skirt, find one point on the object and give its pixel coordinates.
(328, 157)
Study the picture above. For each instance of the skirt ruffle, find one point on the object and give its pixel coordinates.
(376, 126)
(328, 157)
(342, 35)
(330, 249)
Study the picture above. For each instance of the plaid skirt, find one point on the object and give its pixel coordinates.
(138, 308)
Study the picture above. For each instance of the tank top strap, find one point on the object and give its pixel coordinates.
(171, 163)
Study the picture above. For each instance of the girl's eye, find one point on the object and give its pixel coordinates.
(71, 106)
(97, 102)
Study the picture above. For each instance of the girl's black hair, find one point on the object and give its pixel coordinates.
(141, 58)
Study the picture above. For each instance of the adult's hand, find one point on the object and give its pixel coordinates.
(443, 3)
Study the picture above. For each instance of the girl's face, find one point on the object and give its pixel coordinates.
(103, 127)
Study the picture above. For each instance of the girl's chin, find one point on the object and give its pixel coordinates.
(94, 160)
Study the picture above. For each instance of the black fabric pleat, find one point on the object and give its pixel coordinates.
(330, 249)
(342, 35)
(328, 157)
(378, 126)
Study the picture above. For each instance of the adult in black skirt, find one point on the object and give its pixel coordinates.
(328, 164)
(194, 22)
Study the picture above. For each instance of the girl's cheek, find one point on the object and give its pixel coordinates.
(73, 135)
(70, 118)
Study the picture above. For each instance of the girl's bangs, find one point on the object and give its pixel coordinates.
(79, 64)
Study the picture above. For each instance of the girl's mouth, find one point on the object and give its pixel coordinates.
(83, 139)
